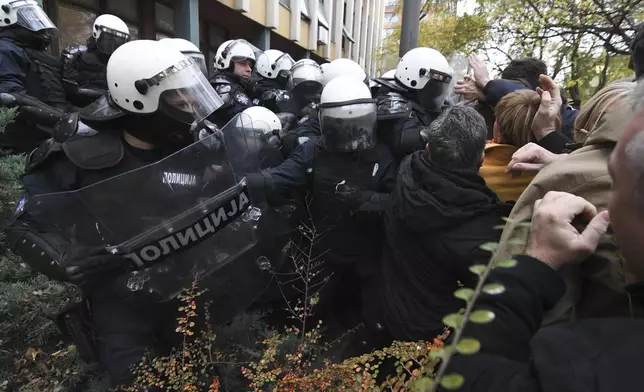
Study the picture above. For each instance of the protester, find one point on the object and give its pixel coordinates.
(599, 355)
(595, 287)
(441, 212)
(512, 130)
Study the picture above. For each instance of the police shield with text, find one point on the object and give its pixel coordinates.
(85, 66)
(413, 100)
(273, 67)
(234, 62)
(30, 77)
(137, 211)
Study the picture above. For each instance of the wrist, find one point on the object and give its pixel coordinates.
(545, 257)
(482, 82)
(540, 133)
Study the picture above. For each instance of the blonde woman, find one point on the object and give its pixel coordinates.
(512, 130)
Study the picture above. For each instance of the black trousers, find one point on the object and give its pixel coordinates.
(126, 330)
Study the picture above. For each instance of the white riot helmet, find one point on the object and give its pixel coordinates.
(347, 115)
(233, 51)
(145, 76)
(273, 63)
(26, 13)
(305, 83)
(110, 32)
(188, 49)
(426, 71)
(389, 75)
(344, 67)
(218, 61)
(263, 123)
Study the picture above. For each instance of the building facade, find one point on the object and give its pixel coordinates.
(319, 29)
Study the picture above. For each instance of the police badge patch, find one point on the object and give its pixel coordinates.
(242, 98)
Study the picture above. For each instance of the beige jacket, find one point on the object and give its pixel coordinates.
(595, 288)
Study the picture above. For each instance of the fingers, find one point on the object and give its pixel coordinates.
(568, 206)
(552, 87)
(523, 167)
(595, 230)
(544, 107)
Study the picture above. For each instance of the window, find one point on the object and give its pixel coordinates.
(134, 31)
(85, 3)
(322, 16)
(323, 35)
(126, 9)
(391, 3)
(74, 25)
(164, 17)
(391, 18)
(304, 7)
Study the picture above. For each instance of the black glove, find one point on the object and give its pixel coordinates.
(86, 266)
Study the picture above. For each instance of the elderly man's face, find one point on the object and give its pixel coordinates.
(626, 206)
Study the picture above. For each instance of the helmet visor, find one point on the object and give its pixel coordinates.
(350, 127)
(432, 97)
(200, 60)
(283, 65)
(305, 72)
(32, 17)
(109, 40)
(187, 95)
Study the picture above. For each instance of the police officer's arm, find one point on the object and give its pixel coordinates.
(40, 249)
(13, 68)
(377, 200)
(289, 176)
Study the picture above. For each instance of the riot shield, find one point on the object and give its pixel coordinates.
(185, 218)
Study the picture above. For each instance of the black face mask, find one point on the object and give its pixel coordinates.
(159, 129)
(32, 39)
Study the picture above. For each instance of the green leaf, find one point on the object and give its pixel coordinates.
(489, 246)
(464, 294)
(468, 346)
(505, 263)
(477, 269)
(481, 316)
(452, 381)
(453, 320)
(422, 384)
(494, 288)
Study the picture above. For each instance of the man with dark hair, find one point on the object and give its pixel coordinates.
(598, 355)
(441, 212)
(526, 71)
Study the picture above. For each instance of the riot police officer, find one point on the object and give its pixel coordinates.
(265, 127)
(304, 87)
(273, 67)
(413, 100)
(189, 50)
(305, 71)
(347, 175)
(29, 73)
(155, 94)
(235, 66)
(84, 67)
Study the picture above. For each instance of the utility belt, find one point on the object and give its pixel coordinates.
(75, 321)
